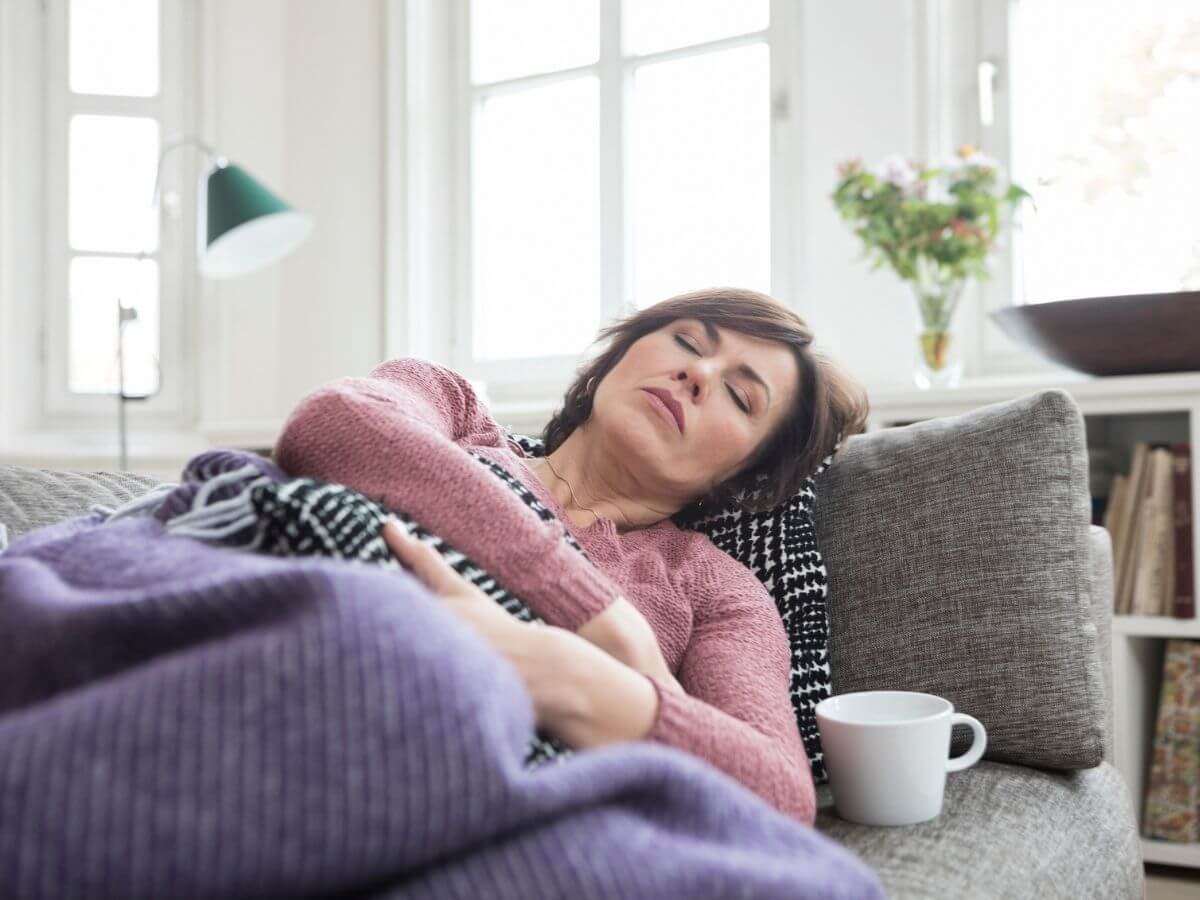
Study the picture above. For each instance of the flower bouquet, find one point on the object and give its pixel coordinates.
(936, 227)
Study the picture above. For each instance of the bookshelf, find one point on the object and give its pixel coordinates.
(1118, 411)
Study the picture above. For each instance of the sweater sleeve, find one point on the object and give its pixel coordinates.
(736, 711)
(400, 436)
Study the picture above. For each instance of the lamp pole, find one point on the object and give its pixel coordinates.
(125, 315)
(244, 226)
(128, 314)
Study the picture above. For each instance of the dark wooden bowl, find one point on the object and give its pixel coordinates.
(1127, 335)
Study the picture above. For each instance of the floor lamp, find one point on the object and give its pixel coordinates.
(241, 226)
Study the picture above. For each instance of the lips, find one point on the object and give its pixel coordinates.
(671, 403)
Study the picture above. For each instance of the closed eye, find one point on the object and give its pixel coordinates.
(744, 407)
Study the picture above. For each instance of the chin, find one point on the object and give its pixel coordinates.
(634, 433)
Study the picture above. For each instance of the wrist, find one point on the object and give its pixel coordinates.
(543, 658)
(588, 698)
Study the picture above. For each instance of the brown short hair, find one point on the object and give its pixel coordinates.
(829, 406)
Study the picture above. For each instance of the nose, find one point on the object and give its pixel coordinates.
(697, 378)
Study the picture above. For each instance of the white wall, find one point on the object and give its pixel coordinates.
(294, 91)
(860, 100)
(20, 224)
(333, 294)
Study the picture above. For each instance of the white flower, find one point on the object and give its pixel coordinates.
(974, 160)
(896, 170)
(936, 192)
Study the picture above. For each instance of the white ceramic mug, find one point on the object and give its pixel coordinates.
(887, 754)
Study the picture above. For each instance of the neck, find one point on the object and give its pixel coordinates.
(592, 481)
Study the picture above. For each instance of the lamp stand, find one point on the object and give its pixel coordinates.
(125, 315)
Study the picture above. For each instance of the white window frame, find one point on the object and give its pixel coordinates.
(430, 104)
(175, 107)
(953, 38)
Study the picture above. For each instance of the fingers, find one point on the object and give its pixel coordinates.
(425, 562)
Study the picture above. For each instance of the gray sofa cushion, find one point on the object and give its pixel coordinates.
(31, 498)
(958, 553)
(1007, 831)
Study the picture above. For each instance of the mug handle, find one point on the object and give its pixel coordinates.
(978, 743)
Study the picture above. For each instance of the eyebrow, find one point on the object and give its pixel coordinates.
(715, 336)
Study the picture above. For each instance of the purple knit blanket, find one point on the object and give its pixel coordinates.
(179, 719)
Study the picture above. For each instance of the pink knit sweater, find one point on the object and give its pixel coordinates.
(401, 435)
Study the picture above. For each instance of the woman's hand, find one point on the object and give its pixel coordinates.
(464, 599)
(578, 692)
(534, 651)
(622, 631)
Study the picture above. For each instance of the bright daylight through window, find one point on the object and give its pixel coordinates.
(692, 168)
(113, 63)
(1106, 135)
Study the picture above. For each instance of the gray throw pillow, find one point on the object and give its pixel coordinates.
(958, 553)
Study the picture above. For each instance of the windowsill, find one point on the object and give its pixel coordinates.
(982, 389)
(157, 454)
(167, 452)
(528, 418)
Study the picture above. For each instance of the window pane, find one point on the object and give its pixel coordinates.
(114, 47)
(510, 38)
(110, 183)
(653, 25)
(95, 285)
(536, 222)
(1108, 146)
(701, 174)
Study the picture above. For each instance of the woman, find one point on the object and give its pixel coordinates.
(654, 633)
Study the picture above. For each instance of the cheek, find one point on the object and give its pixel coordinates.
(724, 443)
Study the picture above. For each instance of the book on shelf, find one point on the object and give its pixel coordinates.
(1114, 519)
(1172, 803)
(1125, 528)
(1154, 539)
(1185, 564)
(1149, 517)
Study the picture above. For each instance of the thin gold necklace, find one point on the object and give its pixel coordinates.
(628, 524)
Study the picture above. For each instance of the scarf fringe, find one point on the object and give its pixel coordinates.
(224, 518)
(204, 520)
(144, 504)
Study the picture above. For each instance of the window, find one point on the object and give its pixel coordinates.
(1108, 144)
(117, 88)
(619, 153)
(1082, 101)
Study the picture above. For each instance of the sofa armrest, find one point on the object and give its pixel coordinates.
(960, 562)
(31, 498)
(1101, 578)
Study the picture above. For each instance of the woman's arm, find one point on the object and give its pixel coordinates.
(586, 696)
(734, 709)
(623, 632)
(735, 712)
(399, 436)
(578, 691)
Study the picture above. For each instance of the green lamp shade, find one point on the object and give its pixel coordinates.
(246, 226)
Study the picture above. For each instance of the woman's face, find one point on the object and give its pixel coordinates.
(726, 410)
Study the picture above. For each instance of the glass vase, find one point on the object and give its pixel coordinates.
(938, 360)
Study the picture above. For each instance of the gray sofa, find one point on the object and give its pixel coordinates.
(961, 561)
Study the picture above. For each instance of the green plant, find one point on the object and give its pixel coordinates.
(932, 225)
